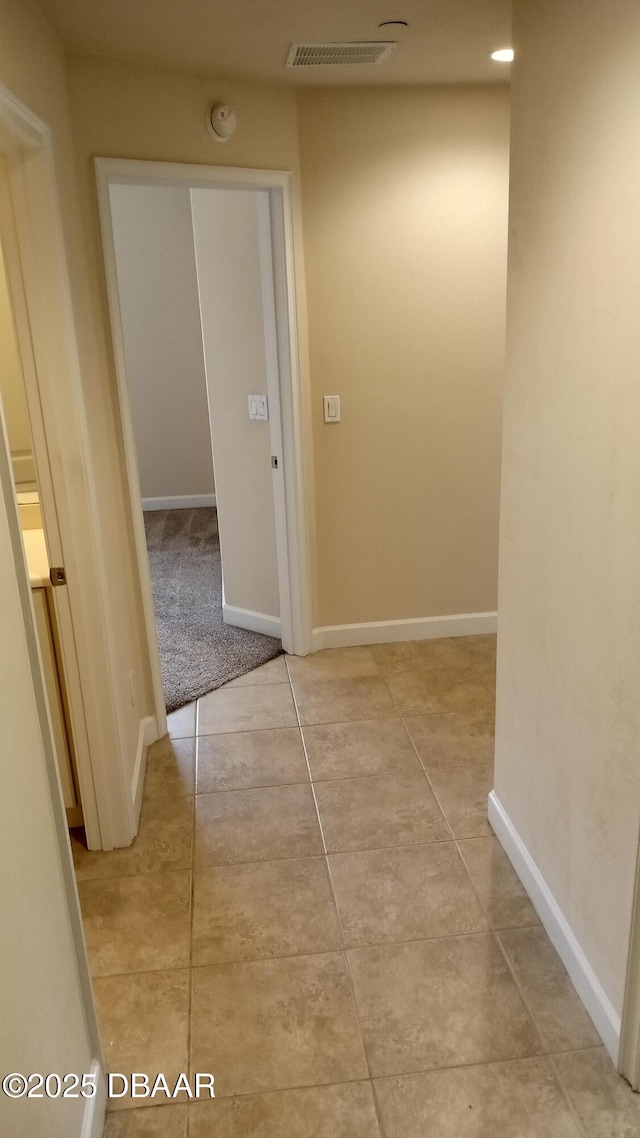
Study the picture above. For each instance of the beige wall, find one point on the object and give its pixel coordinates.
(123, 110)
(404, 195)
(404, 204)
(158, 294)
(228, 241)
(44, 1025)
(129, 111)
(568, 730)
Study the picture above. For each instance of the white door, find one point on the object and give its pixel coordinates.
(235, 284)
(48, 1018)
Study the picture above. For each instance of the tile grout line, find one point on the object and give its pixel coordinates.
(426, 776)
(442, 713)
(399, 772)
(492, 927)
(383, 1078)
(567, 1097)
(495, 934)
(322, 952)
(380, 673)
(491, 932)
(321, 853)
(257, 861)
(421, 769)
(324, 723)
(345, 955)
(242, 730)
(546, 1053)
(463, 766)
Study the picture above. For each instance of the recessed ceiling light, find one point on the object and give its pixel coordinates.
(504, 55)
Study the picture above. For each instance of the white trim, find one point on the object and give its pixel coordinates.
(121, 171)
(585, 981)
(267, 239)
(253, 621)
(179, 502)
(130, 458)
(147, 734)
(95, 1107)
(7, 492)
(286, 255)
(37, 259)
(629, 1059)
(419, 628)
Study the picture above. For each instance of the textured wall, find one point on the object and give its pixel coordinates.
(568, 731)
(404, 196)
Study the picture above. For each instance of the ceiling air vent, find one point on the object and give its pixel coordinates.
(338, 54)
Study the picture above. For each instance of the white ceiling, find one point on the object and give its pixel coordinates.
(447, 41)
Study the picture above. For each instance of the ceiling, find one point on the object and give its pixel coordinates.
(447, 41)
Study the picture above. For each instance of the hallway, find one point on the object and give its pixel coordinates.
(316, 912)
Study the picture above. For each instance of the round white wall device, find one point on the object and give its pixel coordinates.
(221, 121)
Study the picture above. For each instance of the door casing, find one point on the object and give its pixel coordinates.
(286, 425)
(34, 247)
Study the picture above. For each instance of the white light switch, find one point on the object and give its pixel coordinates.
(258, 407)
(331, 408)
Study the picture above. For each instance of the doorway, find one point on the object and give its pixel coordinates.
(33, 246)
(223, 260)
(44, 955)
(37, 518)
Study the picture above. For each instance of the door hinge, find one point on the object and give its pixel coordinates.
(57, 575)
(274, 461)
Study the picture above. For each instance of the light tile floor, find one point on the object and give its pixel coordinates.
(315, 910)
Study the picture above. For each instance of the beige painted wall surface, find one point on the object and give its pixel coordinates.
(158, 292)
(14, 400)
(228, 239)
(169, 126)
(568, 729)
(405, 223)
(43, 1019)
(32, 67)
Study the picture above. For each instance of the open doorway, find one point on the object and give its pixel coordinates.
(199, 274)
(189, 271)
(54, 461)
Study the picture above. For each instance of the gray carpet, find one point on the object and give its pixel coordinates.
(198, 653)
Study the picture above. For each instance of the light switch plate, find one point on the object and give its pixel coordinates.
(258, 407)
(331, 408)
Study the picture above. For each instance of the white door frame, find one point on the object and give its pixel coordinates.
(31, 231)
(289, 490)
(36, 267)
(93, 1117)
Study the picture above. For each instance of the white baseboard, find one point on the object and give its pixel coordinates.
(147, 734)
(585, 981)
(179, 502)
(253, 621)
(388, 631)
(95, 1107)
